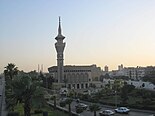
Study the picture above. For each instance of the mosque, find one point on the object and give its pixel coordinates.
(73, 76)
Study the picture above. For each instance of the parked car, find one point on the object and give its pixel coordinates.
(81, 105)
(122, 110)
(106, 113)
(63, 99)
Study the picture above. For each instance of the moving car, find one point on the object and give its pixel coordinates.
(81, 105)
(122, 110)
(106, 113)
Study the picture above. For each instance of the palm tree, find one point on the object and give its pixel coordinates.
(94, 108)
(54, 99)
(25, 91)
(79, 110)
(38, 100)
(69, 101)
(10, 71)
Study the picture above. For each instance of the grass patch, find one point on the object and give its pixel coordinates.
(134, 100)
(19, 108)
(111, 99)
(51, 112)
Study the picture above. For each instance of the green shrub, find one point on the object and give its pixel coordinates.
(62, 104)
(79, 110)
(13, 114)
(38, 111)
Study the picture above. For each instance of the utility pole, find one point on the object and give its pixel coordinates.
(46, 83)
(116, 99)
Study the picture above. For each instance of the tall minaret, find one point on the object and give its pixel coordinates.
(59, 45)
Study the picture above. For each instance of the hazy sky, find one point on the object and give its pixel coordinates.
(102, 32)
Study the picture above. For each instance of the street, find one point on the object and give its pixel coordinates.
(131, 113)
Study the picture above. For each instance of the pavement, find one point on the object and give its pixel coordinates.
(3, 111)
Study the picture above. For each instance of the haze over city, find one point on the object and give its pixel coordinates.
(97, 32)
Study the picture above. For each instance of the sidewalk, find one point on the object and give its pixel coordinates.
(3, 111)
(3, 104)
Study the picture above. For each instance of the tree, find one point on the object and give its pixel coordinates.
(34, 75)
(107, 89)
(149, 78)
(94, 108)
(118, 84)
(79, 110)
(122, 77)
(10, 71)
(69, 101)
(26, 91)
(124, 95)
(54, 99)
(47, 80)
(62, 104)
(38, 101)
(126, 89)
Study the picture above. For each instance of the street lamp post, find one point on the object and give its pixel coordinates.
(116, 99)
(46, 83)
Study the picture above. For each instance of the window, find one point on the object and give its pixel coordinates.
(77, 86)
(82, 86)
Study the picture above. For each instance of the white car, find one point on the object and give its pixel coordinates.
(106, 113)
(122, 110)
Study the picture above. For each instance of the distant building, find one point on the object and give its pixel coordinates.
(120, 67)
(137, 84)
(150, 71)
(106, 68)
(134, 73)
(142, 84)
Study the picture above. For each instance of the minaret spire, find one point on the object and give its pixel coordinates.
(59, 36)
(59, 28)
